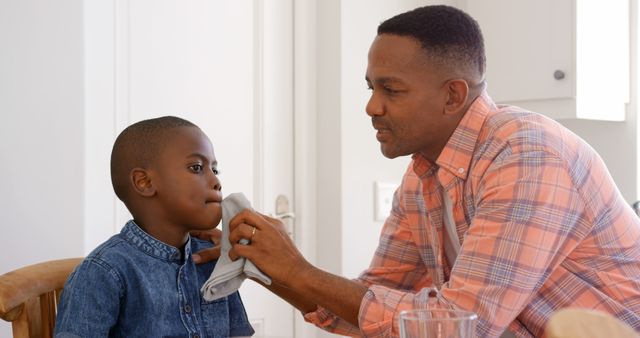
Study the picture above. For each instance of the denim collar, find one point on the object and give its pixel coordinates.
(153, 247)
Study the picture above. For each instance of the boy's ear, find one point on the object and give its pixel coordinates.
(142, 183)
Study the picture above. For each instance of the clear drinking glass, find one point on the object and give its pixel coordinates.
(437, 324)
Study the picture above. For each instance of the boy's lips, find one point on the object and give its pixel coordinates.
(215, 199)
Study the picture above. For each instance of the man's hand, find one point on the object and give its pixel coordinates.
(270, 248)
(294, 279)
(207, 255)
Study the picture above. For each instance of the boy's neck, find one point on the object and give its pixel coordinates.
(176, 238)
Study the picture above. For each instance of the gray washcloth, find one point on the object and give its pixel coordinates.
(228, 275)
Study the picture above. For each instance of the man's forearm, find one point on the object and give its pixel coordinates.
(316, 288)
(337, 294)
(298, 301)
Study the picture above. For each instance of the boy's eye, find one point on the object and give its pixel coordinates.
(196, 168)
(215, 171)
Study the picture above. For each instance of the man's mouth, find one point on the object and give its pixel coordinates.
(379, 124)
(383, 132)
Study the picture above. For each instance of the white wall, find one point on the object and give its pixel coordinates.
(41, 133)
(328, 170)
(617, 142)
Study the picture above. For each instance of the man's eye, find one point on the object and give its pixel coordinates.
(196, 168)
(390, 90)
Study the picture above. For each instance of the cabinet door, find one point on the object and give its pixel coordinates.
(526, 42)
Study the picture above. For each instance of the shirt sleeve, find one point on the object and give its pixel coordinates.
(397, 280)
(90, 301)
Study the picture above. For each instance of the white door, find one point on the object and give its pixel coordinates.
(224, 65)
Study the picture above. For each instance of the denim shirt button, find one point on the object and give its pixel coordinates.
(187, 309)
(196, 336)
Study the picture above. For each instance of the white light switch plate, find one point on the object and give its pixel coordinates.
(383, 200)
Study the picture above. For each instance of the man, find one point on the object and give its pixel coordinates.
(502, 212)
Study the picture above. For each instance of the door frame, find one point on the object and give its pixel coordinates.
(305, 151)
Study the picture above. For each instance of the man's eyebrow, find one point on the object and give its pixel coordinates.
(384, 80)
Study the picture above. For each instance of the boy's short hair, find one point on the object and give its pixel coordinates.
(138, 146)
(450, 36)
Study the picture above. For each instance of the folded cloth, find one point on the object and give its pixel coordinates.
(228, 275)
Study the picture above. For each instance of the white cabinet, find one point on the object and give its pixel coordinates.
(562, 58)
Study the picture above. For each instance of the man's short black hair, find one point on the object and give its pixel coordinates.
(446, 33)
(138, 146)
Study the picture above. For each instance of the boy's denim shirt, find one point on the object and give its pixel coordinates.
(136, 286)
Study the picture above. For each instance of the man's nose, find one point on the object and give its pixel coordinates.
(374, 105)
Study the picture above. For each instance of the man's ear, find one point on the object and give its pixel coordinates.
(142, 183)
(457, 96)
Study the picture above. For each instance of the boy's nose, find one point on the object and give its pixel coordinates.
(216, 185)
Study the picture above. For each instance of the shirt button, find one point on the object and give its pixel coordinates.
(460, 170)
(196, 336)
(187, 309)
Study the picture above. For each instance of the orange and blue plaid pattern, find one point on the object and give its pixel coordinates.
(541, 222)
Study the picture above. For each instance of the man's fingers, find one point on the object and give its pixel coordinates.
(233, 255)
(276, 223)
(269, 218)
(247, 216)
(206, 255)
(239, 250)
(243, 231)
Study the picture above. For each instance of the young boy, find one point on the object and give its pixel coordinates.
(143, 282)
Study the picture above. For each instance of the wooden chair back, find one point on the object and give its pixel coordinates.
(584, 323)
(29, 296)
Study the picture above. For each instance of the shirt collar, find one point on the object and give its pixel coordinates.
(145, 242)
(458, 152)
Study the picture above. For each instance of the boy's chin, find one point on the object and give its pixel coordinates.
(216, 222)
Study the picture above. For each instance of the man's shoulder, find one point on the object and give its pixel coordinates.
(513, 119)
(523, 130)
